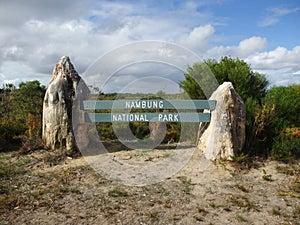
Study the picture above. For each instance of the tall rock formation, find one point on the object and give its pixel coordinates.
(57, 107)
(225, 135)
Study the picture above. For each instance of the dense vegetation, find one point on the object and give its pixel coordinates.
(21, 113)
(273, 123)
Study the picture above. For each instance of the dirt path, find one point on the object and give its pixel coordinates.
(46, 188)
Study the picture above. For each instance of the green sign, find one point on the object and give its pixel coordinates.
(150, 105)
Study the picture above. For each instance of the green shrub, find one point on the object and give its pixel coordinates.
(287, 106)
(20, 112)
(266, 133)
(246, 82)
(286, 148)
(106, 131)
(250, 85)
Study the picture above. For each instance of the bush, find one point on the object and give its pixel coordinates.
(259, 117)
(20, 112)
(286, 148)
(287, 106)
(106, 131)
(248, 84)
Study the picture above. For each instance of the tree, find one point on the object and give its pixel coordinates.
(30, 96)
(189, 85)
(248, 84)
(6, 100)
(7, 122)
(21, 110)
(29, 101)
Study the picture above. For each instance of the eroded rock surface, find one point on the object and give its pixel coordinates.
(57, 107)
(225, 135)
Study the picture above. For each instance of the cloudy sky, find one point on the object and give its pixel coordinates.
(34, 34)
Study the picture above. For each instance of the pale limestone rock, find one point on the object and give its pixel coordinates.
(57, 107)
(158, 131)
(225, 135)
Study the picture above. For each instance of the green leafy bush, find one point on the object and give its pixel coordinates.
(286, 148)
(287, 106)
(20, 112)
(250, 85)
(269, 112)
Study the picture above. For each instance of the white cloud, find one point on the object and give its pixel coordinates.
(13, 53)
(9, 74)
(35, 34)
(44, 42)
(268, 21)
(245, 48)
(15, 13)
(276, 59)
(280, 11)
(274, 14)
(106, 9)
(198, 39)
(280, 65)
(252, 45)
(281, 77)
(43, 32)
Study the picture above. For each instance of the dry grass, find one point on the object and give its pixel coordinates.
(50, 188)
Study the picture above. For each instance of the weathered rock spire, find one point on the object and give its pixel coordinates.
(225, 136)
(57, 107)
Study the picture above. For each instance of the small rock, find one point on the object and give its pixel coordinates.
(127, 157)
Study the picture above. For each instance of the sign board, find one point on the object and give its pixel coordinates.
(118, 105)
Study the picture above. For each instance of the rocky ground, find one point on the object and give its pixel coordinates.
(48, 188)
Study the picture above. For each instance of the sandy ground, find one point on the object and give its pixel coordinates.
(48, 188)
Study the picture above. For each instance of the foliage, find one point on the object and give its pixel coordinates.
(280, 134)
(272, 123)
(274, 130)
(21, 112)
(106, 131)
(29, 97)
(250, 85)
(287, 106)
(189, 85)
(258, 118)
(270, 113)
(140, 129)
(246, 82)
(268, 121)
(286, 147)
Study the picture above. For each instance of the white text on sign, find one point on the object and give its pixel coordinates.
(155, 104)
(144, 117)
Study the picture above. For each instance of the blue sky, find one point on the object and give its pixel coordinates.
(35, 34)
(277, 21)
